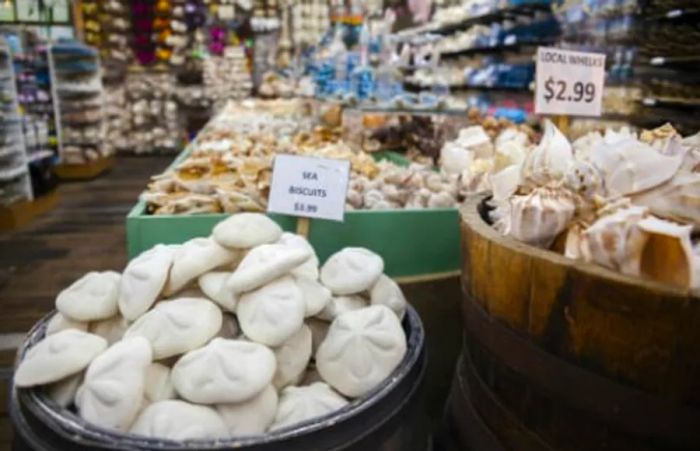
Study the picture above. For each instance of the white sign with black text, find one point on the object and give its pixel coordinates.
(309, 187)
(569, 82)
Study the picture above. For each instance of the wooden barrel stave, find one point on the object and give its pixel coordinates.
(566, 356)
(633, 330)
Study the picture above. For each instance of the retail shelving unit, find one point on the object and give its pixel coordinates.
(15, 183)
(495, 65)
(76, 82)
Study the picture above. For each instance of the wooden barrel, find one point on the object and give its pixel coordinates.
(562, 355)
(390, 418)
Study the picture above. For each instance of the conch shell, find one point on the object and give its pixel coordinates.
(537, 218)
(550, 159)
(678, 199)
(638, 244)
(615, 241)
(629, 166)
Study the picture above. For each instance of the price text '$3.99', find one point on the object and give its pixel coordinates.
(559, 90)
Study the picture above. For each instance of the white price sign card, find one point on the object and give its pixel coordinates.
(309, 187)
(569, 83)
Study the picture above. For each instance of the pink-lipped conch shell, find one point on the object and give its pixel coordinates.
(550, 160)
(615, 241)
(638, 244)
(537, 218)
(678, 199)
(629, 166)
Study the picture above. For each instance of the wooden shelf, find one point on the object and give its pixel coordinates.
(85, 171)
(25, 211)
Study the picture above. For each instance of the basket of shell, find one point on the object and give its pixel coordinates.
(237, 340)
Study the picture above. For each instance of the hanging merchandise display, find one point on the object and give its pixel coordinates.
(108, 28)
(227, 77)
(153, 113)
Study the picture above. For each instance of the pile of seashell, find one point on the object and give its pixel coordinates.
(626, 202)
(232, 335)
(230, 167)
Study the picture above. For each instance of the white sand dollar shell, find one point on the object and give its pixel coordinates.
(111, 329)
(309, 268)
(159, 384)
(194, 258)
(387, 292)
(63, 392)
(299, 404)
(113, 389)
(341, 304)
(251, 417)
(179, 420)
(213, 284)
(143, 280)
(361, 349)
(59, 322)
(92, 297)
(245, 230)
(58, 356)
(352, 270)
(177, 326)
(315, 295)
(292, 358)
(272, 314)
(224, 371)
(264, 264)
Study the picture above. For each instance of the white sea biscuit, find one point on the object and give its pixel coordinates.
(213, 285)
(292, 358)
(245, 230)
(58, 356)
(177, 326)
(179, 420)
(299, 404)
(315, 295)
(92, 297)
(63, 392)
(111, 329)
(264, 264)
(224, 371)
(361, 349)
(194, 258)
(112, 392)
(387, 292)
(341, 304)
(352, 270)
(273, 313)
(309, 268)
(251, 417)
(59, 322)
(159, 384)
(143, 280)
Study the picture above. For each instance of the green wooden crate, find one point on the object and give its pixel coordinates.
(414, 243)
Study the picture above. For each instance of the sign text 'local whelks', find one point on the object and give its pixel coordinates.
(569, 82)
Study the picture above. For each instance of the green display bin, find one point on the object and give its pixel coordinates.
(413, 243)
(422, 244)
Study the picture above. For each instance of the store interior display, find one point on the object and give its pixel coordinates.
(301, 341)
(15, 182)
(78, 98)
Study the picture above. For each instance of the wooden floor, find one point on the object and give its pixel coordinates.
(85, 232)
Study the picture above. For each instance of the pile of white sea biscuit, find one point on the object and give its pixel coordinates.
(232, 335)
